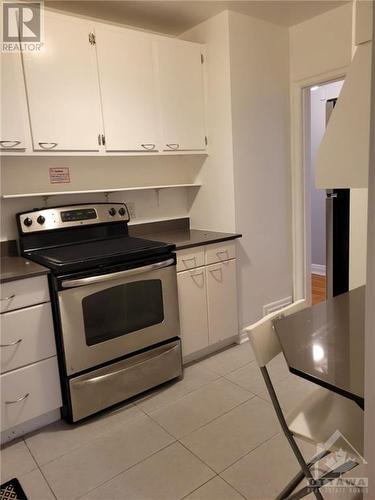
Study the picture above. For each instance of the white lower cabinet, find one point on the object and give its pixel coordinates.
(192, 297)
(222, 300)
(29, 392)
(29, 380)
(207, 299)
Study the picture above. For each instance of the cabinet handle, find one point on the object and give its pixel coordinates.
(149, 147)
(9, 144)
(9, 298)
(173, 146)
(99, 139)
(221, 252)
(11, 343)
(189, 259)
(103, 139)
(215, 270)
(47, 145)
(18, 400)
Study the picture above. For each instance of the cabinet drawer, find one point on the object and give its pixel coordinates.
(26, 336)
(23, 293)
(219, 252)
(29, 392)
(190, 258)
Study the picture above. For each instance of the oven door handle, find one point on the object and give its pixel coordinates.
(113, 276)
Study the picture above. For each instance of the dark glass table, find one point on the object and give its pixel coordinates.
(325, 343)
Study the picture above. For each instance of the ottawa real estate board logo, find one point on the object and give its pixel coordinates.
(22, 27)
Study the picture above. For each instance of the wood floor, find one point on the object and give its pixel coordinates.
(318, 284)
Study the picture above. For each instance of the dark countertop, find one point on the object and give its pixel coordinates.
(16, 268)
(190, 238)
(325, 343)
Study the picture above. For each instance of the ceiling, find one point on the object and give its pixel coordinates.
(175, 17)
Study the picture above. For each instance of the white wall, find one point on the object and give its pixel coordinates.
(321, 44)
(213, 206)
(259, 61)
(318, 99)
(20, 175)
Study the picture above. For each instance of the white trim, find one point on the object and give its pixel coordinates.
(276, 305)
(30, 426)
(318, 269)
(300, 208)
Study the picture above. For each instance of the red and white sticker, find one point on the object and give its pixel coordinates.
(59, 175)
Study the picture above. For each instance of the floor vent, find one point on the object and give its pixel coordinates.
(275, 306)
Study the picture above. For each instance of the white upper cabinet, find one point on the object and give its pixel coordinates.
(62, 87)
(13, 103)
(126, 63)
(180, 78)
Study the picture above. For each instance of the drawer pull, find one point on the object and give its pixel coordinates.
(12, 343)
(9, 298)
(9, 144)
(47, 145)
(22, 398)
(222, 252)
(189, 259)
(173, 146)
(148, 147)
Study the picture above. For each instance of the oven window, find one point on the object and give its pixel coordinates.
(122, 309)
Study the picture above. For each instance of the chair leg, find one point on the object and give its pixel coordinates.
(292, 485)
(325, 479)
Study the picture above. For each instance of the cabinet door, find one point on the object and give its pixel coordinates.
(62, 87)
(13, 103)
(193, 310)
(126, 63)
(222, 301)
(181, 94)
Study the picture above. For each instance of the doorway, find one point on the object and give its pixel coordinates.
(320, 101)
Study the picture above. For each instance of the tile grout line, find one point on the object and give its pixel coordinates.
(209, 421)
(249, 452)
(127, 469)
(40, 469)
(182, 397)
(81, 445)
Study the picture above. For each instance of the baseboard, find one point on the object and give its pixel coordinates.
(318, 269)
(30, 426)
(275, 306)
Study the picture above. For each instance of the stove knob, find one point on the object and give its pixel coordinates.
(28, 221)
(41, 219)
(122, 211)
(112, 211)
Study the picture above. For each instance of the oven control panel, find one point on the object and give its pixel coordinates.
(72, 216)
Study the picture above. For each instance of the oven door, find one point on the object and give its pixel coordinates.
(111, 315)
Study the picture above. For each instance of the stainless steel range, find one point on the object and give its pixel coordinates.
(114, 299)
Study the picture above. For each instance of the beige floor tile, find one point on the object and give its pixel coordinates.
(250, 378)
(228, 438)
(60, 438)
(291, 391)
(195, 376)
(199, 407)
(35, 486)
(215, 489)
(83, 469)
(229, 360)
(264, 472)
(15, 460)
(170, 474)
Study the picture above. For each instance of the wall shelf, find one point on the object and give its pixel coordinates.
(104, 190)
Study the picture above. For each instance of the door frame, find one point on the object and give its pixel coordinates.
(301, 216)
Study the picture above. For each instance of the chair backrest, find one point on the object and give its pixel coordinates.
(262, 336)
